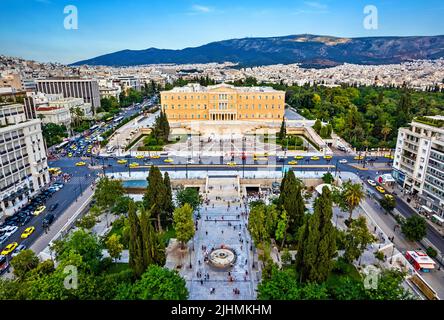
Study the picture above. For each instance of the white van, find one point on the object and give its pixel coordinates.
(110, 149)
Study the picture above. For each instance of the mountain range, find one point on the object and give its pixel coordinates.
(309, 50)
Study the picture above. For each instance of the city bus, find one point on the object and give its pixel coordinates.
(94, 127)
(62, 145)
(118, 119)
(109, 119)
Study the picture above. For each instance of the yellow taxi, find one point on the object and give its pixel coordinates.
(389, 197)
(261, 155)
(139, 156)
(231, 164)
(134, 165)
(80, 164)
(299, 157)
(155, 156)
(9, 248)
(69, 155)
(122, 161)
(168, 160)
(292, 162)
(328, 157)
(39, 210)
(380, 189)
(314, 158)
(27, 232)
(55, 171)
(359, 158)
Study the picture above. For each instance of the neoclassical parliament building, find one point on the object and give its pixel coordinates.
(223, 102)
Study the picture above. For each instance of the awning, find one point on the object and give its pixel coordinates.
(427, 209)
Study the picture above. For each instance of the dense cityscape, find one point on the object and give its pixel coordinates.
(222, 181)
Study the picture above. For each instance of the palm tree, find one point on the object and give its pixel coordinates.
(77, 114)
(386, 129)
(353, 194)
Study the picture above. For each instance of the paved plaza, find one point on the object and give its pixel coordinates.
(220, 226)
(230, 144)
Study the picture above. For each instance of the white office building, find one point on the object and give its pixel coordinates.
(419, 162)
(23, 161)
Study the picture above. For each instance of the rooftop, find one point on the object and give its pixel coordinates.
(434, 121)
(196, 87)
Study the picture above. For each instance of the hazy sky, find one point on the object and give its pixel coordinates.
(34, 29)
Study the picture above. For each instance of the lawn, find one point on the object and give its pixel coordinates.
(117, 267)
(167, 235)
(342, 269)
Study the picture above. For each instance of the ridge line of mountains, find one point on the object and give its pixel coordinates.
(308, 50)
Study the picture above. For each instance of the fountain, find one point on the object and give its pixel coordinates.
(222, 258)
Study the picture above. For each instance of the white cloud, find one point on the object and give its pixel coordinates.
(201, 9)
(316, 5)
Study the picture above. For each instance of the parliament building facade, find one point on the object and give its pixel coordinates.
(223, 102)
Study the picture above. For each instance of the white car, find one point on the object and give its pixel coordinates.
(18, 250)
(191, 161)
(371, 182)
(10, 231)
(343, 161)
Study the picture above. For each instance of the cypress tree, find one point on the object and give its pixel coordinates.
(317, 242)
(168, 206)
(291, 200)
(283, 131)
(155, 195)
(136, 260)
(153, 248)
(146, 227)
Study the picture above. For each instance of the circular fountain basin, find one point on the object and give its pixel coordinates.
(222, 258)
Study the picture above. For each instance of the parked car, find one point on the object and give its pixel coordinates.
(25, 220)
(18, 250)
(49, 218)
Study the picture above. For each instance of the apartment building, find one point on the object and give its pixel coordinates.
(223, 102)
(23, 162)
(87, 89)
(419, 162)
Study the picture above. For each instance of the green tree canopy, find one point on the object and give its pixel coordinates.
(414, 228)
(357, 238)
(183, 223)
(190, 196)
(157, 283)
